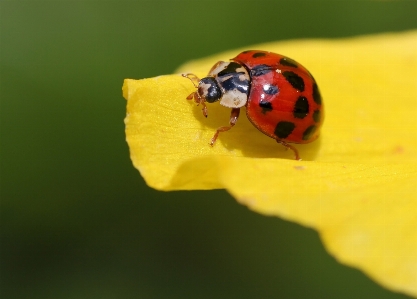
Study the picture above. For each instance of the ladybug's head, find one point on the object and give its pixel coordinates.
(209, 90)
(227, 82)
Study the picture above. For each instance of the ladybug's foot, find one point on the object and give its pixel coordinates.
(221, 129)
(234, 115)
(289, 146)
(198, 100)
(201, 101)
(204, 109)
(191, 96)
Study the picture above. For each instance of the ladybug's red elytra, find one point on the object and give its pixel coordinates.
(282, 98)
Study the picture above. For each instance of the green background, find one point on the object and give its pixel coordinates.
(78, 221)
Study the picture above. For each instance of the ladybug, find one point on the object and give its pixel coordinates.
(281, 97)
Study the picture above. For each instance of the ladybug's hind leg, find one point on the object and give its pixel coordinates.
(234, 115)
(289, 146)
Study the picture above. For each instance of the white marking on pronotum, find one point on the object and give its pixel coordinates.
(234, 99)
(218, 67)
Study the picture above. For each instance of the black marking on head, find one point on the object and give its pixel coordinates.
(230, 69)
(266, 106)
(260, 70)
(270, 89)
(296, 81)
(288, 62)
(258, 54)
(309, 132)
(301, 107)
(284, 129)
(316, 116)
(316, 94)
(213, 92)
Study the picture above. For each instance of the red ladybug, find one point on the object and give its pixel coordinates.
(282, 98)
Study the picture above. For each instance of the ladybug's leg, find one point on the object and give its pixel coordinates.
(199, 101)
(204, 108)
(191, 96)
(289, 146)
(234, 115)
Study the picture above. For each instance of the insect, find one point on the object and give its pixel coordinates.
(281, 97)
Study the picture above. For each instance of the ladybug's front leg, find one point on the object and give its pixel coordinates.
(234, 115)
(198, 100)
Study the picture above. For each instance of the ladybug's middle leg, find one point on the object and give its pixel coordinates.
(234, 115)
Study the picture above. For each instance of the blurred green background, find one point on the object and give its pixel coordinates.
(78, 221)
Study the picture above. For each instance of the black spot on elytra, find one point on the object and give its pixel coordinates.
(288, 62)
(266, 106)
(258, 54)
(260, 70)
(316, 94)
(309, 132)
(284, 129)
(301, 107)
(316, 116)
(296, 81)
(270, 89)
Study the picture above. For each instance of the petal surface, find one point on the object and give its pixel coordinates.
(356, 185)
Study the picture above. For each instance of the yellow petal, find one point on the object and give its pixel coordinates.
(357, 184)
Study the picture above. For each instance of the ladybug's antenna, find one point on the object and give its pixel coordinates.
(193, 78)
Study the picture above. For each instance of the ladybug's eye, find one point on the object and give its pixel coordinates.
(209, 89)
